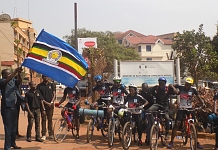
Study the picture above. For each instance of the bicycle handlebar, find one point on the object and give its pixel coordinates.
(69, 109)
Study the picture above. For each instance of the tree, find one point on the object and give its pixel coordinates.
(106, 41)
(196, 53)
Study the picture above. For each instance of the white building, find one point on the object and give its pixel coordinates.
(149, 47)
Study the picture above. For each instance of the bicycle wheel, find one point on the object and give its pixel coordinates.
(193, 137)
(60, 130)
(111, 129)
(153, 137)
(74, 132)
(90, 129)
(163, 136)
(127, 136)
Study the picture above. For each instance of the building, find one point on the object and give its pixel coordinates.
(168, 36)
(16, 39)
(119, 36)
(150, 47)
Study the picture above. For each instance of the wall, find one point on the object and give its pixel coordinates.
(6, 41)
(158, 51)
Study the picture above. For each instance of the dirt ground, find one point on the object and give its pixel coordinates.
(70, 143)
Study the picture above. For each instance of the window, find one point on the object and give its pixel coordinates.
(120, 41)
(148, 48)
(139, 49)
(149, 58)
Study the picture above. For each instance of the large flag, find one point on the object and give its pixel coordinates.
(56, 59)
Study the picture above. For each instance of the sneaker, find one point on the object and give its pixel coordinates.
(51, 137)
(140, 143)
(77, 137)
(199, 146)
(170, 145)
(43, 138)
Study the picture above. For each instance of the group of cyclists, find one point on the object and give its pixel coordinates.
(147, 99)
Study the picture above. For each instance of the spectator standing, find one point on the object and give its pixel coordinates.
(33, 99)
(47, 90)
(10, 96)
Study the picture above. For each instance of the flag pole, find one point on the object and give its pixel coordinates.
(75, 22)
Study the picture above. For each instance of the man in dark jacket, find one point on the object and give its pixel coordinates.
(10, 94)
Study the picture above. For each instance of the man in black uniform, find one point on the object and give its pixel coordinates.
(33, 100)
(47, 90)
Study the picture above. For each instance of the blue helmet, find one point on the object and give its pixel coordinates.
(162, 79)
(98, 78)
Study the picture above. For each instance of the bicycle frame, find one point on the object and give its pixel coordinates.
(188, 121)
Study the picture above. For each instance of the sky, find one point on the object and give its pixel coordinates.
(149, 17)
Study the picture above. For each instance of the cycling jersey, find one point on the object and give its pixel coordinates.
(72, 94)
(118, 94)
(162, 95)
(186, 96)
(148, 96)
(103, 90)
(134, 101)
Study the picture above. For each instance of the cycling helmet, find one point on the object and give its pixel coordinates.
(189, 80)
(121, 112)
(132, 85)
(98, 78)
(162, 79)
(117, 79)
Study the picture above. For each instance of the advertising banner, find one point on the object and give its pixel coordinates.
(138, 72)
(86, 43)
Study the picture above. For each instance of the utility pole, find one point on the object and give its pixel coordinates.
(75, 22)
(28, 30)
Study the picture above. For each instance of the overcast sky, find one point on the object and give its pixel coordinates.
(149, 17)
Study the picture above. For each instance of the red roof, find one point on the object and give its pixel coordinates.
(121, 36)
(150, 39)
(7, 63)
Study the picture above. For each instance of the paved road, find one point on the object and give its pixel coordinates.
(70, 144)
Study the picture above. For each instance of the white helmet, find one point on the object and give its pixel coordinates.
(117, 79)
(121, 112)
(132, 85)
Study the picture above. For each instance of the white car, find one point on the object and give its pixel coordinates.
(59, 85)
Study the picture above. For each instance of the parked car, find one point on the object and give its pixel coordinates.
(59, 85)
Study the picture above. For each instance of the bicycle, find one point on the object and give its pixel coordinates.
(158, 129)
(99, 122)
(129, 129)
(65, 124)
(188, 129)
(114, 126)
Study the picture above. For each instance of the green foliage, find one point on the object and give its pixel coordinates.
(196, 53)
(106, 41)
